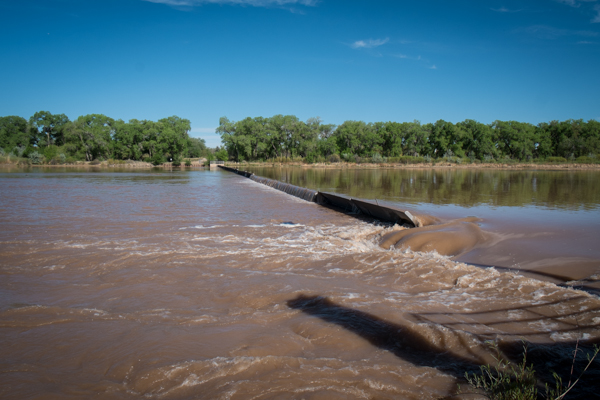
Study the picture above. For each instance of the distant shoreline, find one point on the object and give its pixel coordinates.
(340, 165)
(442, 165)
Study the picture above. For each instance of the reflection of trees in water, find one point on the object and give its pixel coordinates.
(571, 190)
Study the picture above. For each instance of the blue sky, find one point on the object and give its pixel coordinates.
(530, 61)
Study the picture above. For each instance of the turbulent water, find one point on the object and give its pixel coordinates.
(205, 284)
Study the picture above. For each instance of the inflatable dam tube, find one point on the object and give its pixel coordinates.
(450, 239)
(300, 192)
(343, 203)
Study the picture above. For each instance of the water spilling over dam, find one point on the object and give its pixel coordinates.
(205, 284)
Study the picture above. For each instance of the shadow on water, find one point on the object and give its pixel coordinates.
(398, 339)
(413, 347)
(559, 280)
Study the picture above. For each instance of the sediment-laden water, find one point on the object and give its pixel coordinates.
(205, 284)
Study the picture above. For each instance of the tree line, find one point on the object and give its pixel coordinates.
(48, 137)
(285, 136)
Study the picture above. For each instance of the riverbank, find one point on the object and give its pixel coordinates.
(510, 166)
(198, 163)
(21, 162)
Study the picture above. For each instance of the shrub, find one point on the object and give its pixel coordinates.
(18, 151)
(506, 381)
(50, 152)
(157, 159)
(406, 160)
(584, 160)
(95, 162)
(333, 158)
(556, 160)
(507, 161)
(222, 155)
(377, 159)
(310, 158)
(36, 158)
(188, 163)
(448, 155)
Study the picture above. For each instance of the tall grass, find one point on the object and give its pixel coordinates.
(508, 381)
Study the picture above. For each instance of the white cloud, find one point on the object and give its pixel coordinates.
(596, 19)
(504, 10)
(575, 3)
(548, 32)
(406, 57)
(369, 44)
(254, 3)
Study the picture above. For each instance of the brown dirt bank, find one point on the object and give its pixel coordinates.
(106, 164)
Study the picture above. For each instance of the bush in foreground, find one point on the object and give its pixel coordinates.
(507, 381)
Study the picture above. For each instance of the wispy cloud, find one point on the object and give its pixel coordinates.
(596, 19)
(406, 57)
(548, 32)
(575, 3)
(504, 10)
(422, 61)
(369, 44)
(253, 3)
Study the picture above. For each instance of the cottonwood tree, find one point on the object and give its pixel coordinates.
(49, 127)
(14, 132)
(91, 136)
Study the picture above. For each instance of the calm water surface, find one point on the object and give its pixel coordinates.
(205, 284)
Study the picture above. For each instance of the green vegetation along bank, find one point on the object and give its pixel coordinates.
(287, 138)
(53, 139)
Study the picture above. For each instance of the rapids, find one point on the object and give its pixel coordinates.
(205, 284)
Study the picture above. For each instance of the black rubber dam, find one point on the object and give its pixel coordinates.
(335, 201)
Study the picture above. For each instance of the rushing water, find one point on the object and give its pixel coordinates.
(545, 223)
(205, 284)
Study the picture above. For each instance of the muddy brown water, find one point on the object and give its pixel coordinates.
(205, 284)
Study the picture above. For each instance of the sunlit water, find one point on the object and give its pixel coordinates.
(543, 222)
(205, 284)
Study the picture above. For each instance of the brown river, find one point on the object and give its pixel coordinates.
(208, 285)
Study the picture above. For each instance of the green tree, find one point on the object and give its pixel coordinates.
(391, 134)
(515, 139)
(415, 138)
(197, 148)
(14, 132)
(91, 136)
(128, 139)
(173, 137)
(479, 139)
(357, 137)
(49, 127)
